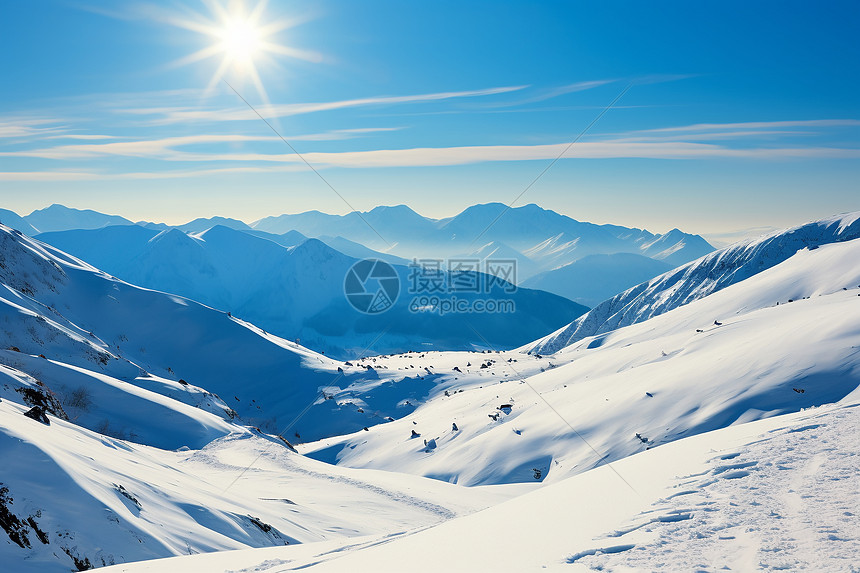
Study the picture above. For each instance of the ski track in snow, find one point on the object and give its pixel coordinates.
(789, 502)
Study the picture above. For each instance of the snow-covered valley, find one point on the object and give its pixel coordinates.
(704, 419)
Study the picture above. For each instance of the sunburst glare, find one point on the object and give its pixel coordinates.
(244, 37)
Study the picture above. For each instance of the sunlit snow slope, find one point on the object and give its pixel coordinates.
(737, 355)
(700, 278)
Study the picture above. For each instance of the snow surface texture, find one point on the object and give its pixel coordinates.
(700, 278)
(87, 499)
(129, 461)
(556, 423)
(775, 494)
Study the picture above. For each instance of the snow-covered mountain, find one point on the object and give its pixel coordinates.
(612, 395)
(297, 291)
(675, 440)
(62, 218)
(700, 278)
(100, 381)
(675, 247)
(595, 278)
(379, 228)
(108, 336)
(15, 221)
(200, 225)
(541, 238)
(625, 435)
(499, 251)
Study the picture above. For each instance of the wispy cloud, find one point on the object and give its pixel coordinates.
(165, 148)
(167, 115)
(712, 135)
(82, 136)
(70, 176)
(701, 127)
(20, 128)
(429, 156)
(550, 93)
(426, 157)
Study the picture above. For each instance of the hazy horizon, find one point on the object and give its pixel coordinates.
(717, 239)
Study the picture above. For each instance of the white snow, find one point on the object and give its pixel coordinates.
(775, 494)
(716, 427)
(112, 501)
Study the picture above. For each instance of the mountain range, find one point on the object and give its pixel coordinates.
(541, 239)
(294, 287)
(582, 262)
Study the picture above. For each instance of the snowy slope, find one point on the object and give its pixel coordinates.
(675, 375)
(595, 278)
(700, 278)
(113, 407)
(72, 498)
(54, 305)
(770, 495)
(62, 308)
(628, 397)
(99, 355)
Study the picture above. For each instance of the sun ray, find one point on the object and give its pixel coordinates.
(306, 55)
(217, 76)
(244, 38)
(197, 56)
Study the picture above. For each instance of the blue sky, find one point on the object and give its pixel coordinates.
(737, 115)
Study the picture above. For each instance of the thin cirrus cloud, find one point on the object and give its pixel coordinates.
(82, 136)
(424, 157)
(164, 147)
(702, 127)
(441, 156)
(169, 115)
(29, 128)
(550, 93)
(70, 176)
(737, 130)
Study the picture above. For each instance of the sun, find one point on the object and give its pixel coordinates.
(244, 37)
(240, 41)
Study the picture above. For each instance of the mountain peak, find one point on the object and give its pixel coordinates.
(201, 224)
(61, 218)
